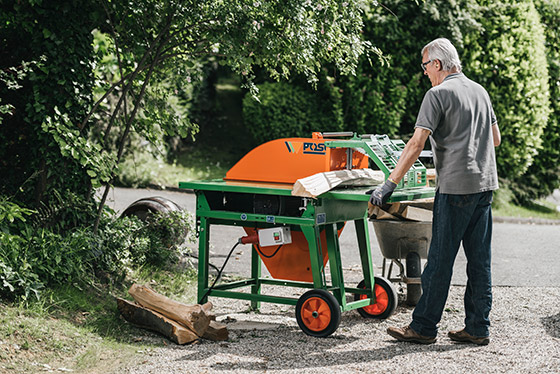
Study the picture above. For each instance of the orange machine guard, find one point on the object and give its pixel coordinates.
(292, 261)
(287, 160)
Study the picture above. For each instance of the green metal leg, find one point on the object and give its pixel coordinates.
(203, 254)
(312, 236)
(255, 275)
(362, 233)
(335, 262)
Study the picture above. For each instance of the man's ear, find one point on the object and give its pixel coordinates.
(437, 64)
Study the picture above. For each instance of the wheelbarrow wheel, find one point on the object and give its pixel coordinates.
(318, 313)
(386, 299)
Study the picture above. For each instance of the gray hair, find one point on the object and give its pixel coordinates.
(442, 49)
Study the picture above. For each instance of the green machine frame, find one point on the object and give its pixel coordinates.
(385, 153)
(327, 212)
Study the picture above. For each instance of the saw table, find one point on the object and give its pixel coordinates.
(256, 194)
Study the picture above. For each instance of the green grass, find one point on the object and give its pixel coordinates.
(81, 329)
(145, 170)
(540, 209)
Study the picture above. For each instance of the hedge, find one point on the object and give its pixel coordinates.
(509, 60)
(543, 176)
(288, 110)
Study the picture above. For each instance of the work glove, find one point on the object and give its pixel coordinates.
(382, 193)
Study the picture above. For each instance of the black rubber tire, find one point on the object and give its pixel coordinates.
(413, 270)
(392, 299)
(334, 308)
(148, 205)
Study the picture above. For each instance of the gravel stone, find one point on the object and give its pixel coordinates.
(524, 338)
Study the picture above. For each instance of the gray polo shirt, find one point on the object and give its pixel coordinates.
(459, 115)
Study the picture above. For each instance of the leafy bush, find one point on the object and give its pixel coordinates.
(34, 257)
(288, 110)
(543, 176)
(509, 60)
(374, 102)
(59, 36)
(162, 235)
(385, 98)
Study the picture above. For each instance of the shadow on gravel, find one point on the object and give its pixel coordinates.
(290, 349)
(552, 325)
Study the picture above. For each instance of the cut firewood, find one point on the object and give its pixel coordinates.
(155, 321)
(208, 310)
(396, 208)
(193, 317)
(381, 214)
(417, 214)
(423, 203)
(412, 210)
(216, 331)
(372, 210)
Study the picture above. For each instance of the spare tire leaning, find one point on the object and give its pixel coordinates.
(149, 205)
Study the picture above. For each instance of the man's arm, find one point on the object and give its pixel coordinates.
(410, 154)
(496, 134)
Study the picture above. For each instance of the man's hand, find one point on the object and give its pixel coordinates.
(382, 193)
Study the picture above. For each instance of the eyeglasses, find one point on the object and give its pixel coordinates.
(424, 65)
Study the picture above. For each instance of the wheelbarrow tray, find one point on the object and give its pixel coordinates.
(397, 238)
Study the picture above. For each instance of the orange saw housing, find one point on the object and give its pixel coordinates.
(285, 161)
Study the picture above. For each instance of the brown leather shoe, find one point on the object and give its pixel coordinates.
(406, 334)
(463, 336)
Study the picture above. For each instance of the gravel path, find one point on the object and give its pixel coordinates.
(525, 338)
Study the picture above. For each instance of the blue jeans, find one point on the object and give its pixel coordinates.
(466, 218)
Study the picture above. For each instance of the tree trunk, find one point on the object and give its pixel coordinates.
(192, 316)
(216, 331)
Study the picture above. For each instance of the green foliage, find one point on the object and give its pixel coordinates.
(95, 161)
(10, 78)
(64, 212)
(288, 110)
(10, 213)
(543, 176)
(59, 36)
(385, 98)
(374, 102)
(33, 258)
(509, 60)
(165, 233)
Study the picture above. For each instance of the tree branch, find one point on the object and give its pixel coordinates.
(161, 42)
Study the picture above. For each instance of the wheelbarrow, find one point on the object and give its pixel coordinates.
(408, 240)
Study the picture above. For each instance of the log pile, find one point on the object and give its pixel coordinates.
(417, 210)
(179, 322)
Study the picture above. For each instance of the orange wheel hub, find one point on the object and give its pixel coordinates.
(381, 301)
(316, 314)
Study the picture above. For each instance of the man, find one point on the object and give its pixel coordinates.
(457, 115)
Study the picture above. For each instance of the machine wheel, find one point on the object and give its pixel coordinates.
(386, 299)
(413, 270)
(149, 205)
(318, 313)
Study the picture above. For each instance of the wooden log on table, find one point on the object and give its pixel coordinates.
(319, 183)
(155, 321)
(193, 317)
